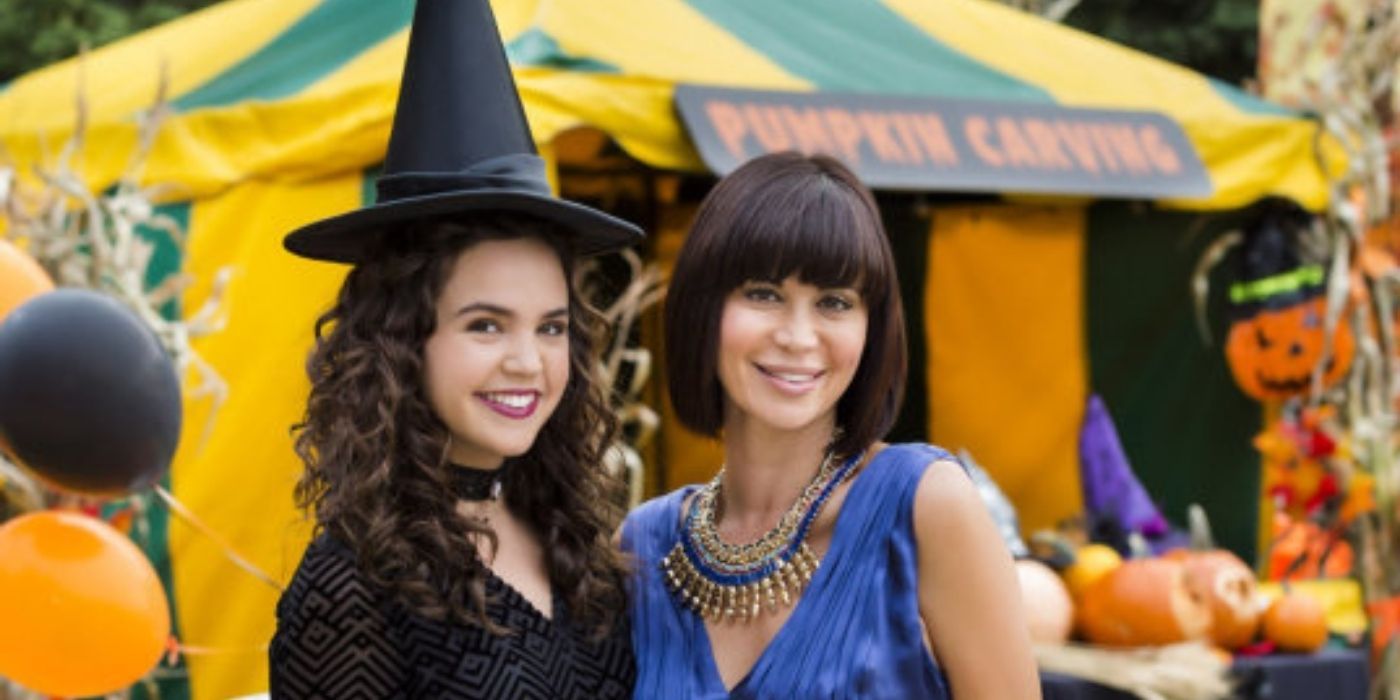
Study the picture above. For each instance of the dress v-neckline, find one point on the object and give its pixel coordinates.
(510, 591)
(816, 585)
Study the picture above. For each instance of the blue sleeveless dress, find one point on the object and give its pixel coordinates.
(856, 631)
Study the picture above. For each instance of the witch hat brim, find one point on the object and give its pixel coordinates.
(346, 237)
(460, 145)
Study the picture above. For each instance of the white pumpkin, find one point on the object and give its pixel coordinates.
(1049, 610)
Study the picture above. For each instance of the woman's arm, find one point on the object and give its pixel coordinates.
(968, 595)
(332, 640)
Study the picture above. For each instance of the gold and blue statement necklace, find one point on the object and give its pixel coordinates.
(722, 581)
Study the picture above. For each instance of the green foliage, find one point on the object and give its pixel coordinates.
(1217, 37)
(35, 33)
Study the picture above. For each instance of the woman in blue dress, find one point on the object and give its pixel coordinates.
(819, 562)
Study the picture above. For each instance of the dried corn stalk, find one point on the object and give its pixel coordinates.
(97, 241)
(1342, 66)
(1189, 671)
(619, 361)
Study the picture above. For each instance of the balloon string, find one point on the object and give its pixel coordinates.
(187, 650)
(193, 521)
(174, 649)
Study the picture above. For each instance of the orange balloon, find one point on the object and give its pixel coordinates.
(84, 613)
(20, 278)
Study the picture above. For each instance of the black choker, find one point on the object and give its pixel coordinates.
(472, 484)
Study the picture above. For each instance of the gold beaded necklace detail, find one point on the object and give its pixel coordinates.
(722, 581)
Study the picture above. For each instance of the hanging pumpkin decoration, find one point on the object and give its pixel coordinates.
(1144, 602)
(1272, 354)
(1278, 310)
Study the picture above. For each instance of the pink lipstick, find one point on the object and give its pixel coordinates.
(511, 404)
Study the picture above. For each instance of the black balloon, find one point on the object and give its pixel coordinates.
(89, 400)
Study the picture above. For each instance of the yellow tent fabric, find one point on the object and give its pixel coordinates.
(239, 478)
(1085, 71)
(1007, 374)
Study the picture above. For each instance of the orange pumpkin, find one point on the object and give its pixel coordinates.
(1272, 353)
(1091, 562)
(1143, 602)
(1049, 610)
(1296, 622)
(1228, 585)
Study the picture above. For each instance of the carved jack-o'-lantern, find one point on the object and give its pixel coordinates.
(1278, 338)
(1144, 602)
(1219, 577)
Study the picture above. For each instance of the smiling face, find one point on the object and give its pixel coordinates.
(787, 219)
(497, 362)
(787, 352)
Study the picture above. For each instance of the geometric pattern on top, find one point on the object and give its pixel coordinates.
(339, 638)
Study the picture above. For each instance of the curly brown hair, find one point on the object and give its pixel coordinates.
(377, 473)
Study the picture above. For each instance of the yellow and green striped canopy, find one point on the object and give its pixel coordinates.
(278, 107)
(302, 89)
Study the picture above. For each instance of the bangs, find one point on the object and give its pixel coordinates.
(826, 235)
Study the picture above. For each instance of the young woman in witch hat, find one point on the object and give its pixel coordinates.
(453, 435)
(820, 562)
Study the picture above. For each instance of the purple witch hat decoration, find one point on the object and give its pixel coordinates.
(1111, 489)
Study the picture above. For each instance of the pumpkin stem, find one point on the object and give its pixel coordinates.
(1199, 524)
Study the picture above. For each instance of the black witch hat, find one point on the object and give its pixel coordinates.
(460, 144)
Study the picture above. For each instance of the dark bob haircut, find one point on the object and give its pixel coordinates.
(781, 215)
